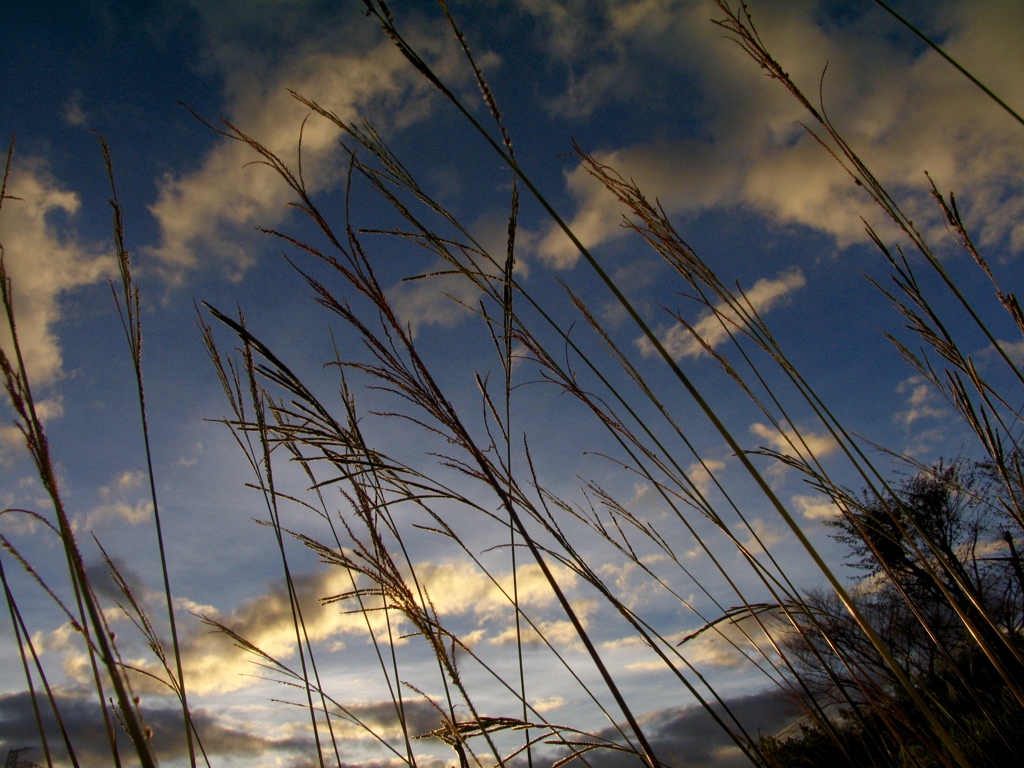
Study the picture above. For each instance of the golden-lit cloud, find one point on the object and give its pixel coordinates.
(818, 507)
(560, 633)
(458, 588)
(44, 258)
(795, 443)
(213, 663)
(201, 213)
(454, 589)
(549, 703)
(892, 105)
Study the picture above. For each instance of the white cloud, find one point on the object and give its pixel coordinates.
(757, 536)
(645, 497)
(11, 440)
(796, 443)
(439, 300)
(714, 327)
(892, 107)
(210, 214)
(734, 642)
(27, 493)
(133, 514)
(560, 633)
(921, 401)
(129, 480)
(702, 474)
(549, 703)
(445, 299)
(118, 506)
(815, 507)
(1013, 349)
(633, 585)
(460, 588)
(44, 259)
(192, 458)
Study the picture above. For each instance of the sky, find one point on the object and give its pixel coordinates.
(651, 88)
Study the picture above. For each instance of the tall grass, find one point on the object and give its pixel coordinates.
(86, 614)
(376, 508)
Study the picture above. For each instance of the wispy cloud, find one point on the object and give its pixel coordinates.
(442, 301)
(922, 401)
(1013, 349)
(121, 502)
(702, 474)
(445, 298)
(714, 327)
(757, 536)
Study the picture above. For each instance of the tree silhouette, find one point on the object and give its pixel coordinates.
(14, 758)
(945, 593)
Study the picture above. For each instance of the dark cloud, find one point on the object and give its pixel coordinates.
(83, 722)
(103, 583)
(420, 716)
(688, 736)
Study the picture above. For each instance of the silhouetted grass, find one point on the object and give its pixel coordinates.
(831, 650)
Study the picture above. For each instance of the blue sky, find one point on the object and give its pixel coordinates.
(649, 87)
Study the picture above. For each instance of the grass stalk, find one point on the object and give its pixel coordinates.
(128, 307)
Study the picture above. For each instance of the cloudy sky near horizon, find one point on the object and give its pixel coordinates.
(649, 87)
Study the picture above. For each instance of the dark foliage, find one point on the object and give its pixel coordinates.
(942, 572)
